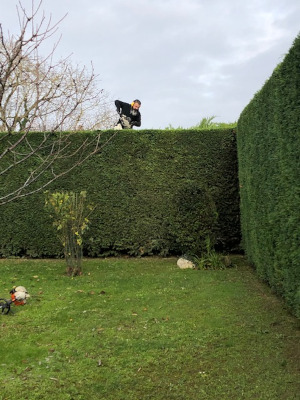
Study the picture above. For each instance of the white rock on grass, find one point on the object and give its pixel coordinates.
(182, 263)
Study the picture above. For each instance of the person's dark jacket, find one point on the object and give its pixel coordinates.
(125, 109)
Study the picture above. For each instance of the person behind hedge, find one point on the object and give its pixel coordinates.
(130, 115)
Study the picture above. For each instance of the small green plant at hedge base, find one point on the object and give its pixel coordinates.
(70, 213)
(210, 259)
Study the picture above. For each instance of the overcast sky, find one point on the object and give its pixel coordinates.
(184, 59)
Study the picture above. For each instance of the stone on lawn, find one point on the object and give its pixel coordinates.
(183, 263)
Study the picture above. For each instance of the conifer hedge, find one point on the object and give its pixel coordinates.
(269, 173)
(156, 192)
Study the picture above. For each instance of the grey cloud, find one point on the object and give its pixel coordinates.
(185, 59)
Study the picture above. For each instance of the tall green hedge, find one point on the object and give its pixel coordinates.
(144, 184)
(269, 173)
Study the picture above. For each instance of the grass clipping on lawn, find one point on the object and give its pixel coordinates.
(144, 329)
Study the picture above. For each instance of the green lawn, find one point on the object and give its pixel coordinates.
(144, 329)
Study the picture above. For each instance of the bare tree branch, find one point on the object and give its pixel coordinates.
(38, 94)
(57, 152)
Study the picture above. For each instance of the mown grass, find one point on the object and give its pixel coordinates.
(144, 329)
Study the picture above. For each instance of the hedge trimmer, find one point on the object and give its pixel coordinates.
(18, 297)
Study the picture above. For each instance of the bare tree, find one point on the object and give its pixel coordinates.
(38, 94)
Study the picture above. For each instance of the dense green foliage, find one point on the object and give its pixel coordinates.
(155, 192)
(137, 328)
(269, 173)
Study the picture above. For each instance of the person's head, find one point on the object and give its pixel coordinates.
(136, 104)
